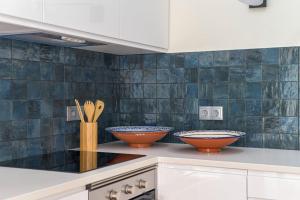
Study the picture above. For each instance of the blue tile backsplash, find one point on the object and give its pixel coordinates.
(258, 88)
(37, 82)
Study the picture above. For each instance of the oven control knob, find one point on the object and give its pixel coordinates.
(142, 184)
(128, 189)
(113, 195)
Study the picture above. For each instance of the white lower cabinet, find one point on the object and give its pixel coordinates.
(84, 195)
(273, 186)
(179, 182)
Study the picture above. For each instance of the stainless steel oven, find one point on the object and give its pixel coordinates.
(138, 184)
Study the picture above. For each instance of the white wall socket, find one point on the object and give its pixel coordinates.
(210, 112)
(72, 113)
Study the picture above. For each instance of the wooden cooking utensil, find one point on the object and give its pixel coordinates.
(79, 111)
(99, 106)
(89, 109)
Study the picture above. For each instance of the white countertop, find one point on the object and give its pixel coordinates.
(25, 184)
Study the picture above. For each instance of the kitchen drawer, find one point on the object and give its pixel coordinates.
(273, 186)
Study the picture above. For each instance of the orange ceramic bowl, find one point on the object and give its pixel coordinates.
(139, 136)
(209, 141)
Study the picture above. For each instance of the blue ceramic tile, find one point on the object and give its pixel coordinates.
(34, 109)
(271, 125)
(149, 106)
(164, 105)
(271, 107)
(163, 76)
(236, 90)
(191, 105)
(163, 119)
(149, 61)
(177, 60)
(5, 151)
(34, 147)
(177, 105)
(254, 125)
(59, 108)
(289, 90)
(58, 126)
(19, 129)
(272, 141)
(5, 131)
(270, 90)
(58, 92)
(163, 90)
(5, 68)
(253, 107)
(270, 56)
(149, 76)
(237, 123)
(26, 70)
(206, 59)
(290, 142)
(58, 143)
(136, 76)
(5, 89)
(253, 73)
(236, 108)
(289, 108)
(236, 57)
(33, 128)
(136, 91)
(47, 71)
(220, 90)
(46, 108)
(6, 110)
(253, 56)
(221, 74)
(125, 76)
(70, 56)
(253, 90)
(163, 61)
(206, 75)
(254, 140)
(191, 75)
(150, 119)
(221, 58)
(288, 73)
(205, 90)
(125, 90)
(288, 125)
(130, 106)
(177, 75)
(5, 48)
(46, 127)
(192, 90)
(19, 110)
(25, 51)
(51, 53)
(289, 55)
(270, 72)
(237, 73)
(33, 90)
(19, 149)
(47, 89)
(191, 60)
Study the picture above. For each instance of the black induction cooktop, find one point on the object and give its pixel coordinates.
(70, 161)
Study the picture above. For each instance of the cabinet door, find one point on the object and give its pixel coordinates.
(27, 9)
(77, 196)
(276, 186)
(177, 182)
(93, 16)
(145, 21)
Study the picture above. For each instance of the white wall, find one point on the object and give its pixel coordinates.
(200, 25)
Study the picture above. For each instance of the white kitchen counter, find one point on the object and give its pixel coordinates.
(25, 184)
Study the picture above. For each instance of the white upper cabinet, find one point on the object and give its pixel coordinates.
(178, 182)
(27, 9)
(92, 16)
(145, 21)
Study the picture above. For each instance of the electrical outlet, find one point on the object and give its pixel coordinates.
(72, 113)
(211, 113)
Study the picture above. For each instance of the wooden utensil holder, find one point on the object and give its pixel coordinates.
(88, 136)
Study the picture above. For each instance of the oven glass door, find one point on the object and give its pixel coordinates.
(146, 196)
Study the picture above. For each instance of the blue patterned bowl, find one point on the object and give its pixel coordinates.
(139, 136)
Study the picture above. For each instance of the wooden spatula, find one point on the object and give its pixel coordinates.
(79, 111)
(99, 106)
(89, 109)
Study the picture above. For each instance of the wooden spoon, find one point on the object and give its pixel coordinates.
(79, 111)
(99, 106)
(89, 109)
